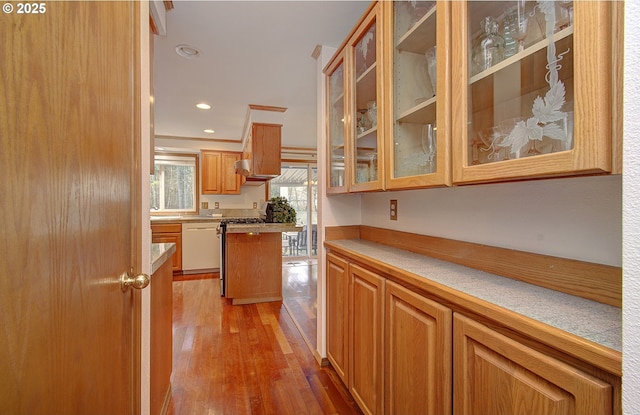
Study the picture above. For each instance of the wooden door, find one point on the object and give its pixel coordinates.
(230, 180)
(494, 374)
(338, 316)
(211, 170)
(417, 354)
(266, 149)
(69, 133)
(366, 330)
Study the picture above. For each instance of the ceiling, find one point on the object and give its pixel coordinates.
(251, 52)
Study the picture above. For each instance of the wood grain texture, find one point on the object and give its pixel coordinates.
(254, 266)
(68, 131)
(161, 336)
(245, 359)
(596, 282)
(366, 327)
(418, 354)
(341, 232)
(487, 364)
(266, 148)
(337, 315)
(565, 346)
(593, 102)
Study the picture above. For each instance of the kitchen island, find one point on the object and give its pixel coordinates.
(253, 258)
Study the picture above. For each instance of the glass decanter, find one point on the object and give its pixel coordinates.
(488, 49)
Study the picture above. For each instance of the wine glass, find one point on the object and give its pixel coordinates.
(428, 141)
(519, 23)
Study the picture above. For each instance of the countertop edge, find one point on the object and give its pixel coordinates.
(262, 227)
(160, 253)
(571, 337)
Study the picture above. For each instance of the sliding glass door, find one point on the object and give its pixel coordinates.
(298, 183)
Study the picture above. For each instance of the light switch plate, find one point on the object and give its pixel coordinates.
(205, 205)
(393, 209)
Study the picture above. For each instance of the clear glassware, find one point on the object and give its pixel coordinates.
(520, 23)
(430, 54)
(488, 49)
(372, 113)
(429, 146)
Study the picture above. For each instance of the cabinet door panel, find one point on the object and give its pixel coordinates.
(545, 106)
(497, 375)
(211, 170)
(337, 316)
(366, 353)
(418, 354)
(230, 180)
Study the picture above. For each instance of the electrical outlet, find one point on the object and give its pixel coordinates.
(205, 205)
(255, 205)
(217, 205)
(393, 209)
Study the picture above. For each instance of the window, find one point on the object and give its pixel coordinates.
(174, 184)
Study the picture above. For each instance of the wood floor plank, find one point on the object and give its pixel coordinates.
(248, 359)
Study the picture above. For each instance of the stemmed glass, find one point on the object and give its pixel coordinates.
(519, 23)
(428, 141)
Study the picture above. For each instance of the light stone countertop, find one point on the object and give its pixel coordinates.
(160, 253)
(262, 227)
(591, 320)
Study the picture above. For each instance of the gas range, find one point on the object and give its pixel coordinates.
(241, 220)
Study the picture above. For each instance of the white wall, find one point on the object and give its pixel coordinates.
(248, 195)
(578, 218)
(631, 215)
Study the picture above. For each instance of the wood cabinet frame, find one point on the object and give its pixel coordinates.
(595, 120)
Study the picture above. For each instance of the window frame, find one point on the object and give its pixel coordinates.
(196, 184)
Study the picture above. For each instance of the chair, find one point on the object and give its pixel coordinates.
(302, 239)
(314, 239)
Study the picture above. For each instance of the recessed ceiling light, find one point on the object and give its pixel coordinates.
(187, 51)
(203, 106)
(209, 131)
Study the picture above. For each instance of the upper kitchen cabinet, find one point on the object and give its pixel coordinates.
(262, 149)
(355, 107)
(218, 173)
(337, 152)
(535, 89)
(418, 41)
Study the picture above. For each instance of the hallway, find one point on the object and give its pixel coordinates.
(244, 359)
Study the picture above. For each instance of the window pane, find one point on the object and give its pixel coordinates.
(174, 184)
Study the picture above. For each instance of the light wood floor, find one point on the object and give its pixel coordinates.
(248, 359)
(299, 292)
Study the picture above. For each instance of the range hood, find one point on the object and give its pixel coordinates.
(261, 144)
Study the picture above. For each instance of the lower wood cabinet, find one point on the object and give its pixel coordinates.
(403, 353)
(495, 374)
(338, 315)
(417, 353)
(168, 233)
(366, 380)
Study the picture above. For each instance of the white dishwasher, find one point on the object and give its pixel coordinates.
(200, 246)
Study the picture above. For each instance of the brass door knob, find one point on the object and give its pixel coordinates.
(139, 282)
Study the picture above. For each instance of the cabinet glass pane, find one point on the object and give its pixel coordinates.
(336, 127)
(414, 149)
(521, 79)
(365, 155)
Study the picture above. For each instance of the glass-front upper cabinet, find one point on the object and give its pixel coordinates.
(336, 152)
(532, 90)
(418, 136)
(365, 80)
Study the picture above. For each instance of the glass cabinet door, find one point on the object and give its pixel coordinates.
(418, 138)
(533, 80)
(337, 179)
(367, 108)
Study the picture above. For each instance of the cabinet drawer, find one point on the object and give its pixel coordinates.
(166, 227)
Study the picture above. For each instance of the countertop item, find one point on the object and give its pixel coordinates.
(161, 252)
(591, 320)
